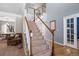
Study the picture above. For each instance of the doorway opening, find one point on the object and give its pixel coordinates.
(10, 41)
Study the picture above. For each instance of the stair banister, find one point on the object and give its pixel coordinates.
(52, 31)
(30, 43)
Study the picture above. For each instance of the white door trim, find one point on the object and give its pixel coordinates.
(65, 31)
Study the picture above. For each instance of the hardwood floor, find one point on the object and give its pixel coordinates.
(65, 51)
(10, 50)
(14, 51)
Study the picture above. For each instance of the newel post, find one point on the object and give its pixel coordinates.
(53, 28)
(30, 46)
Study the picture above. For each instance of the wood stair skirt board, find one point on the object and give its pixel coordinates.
(39, 45)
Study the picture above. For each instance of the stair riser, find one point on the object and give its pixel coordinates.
(38, 38)
(38, 43)
(38, 34)
(46, 53)
(35, 28)
(39, 49)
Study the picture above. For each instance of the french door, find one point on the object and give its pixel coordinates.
(70, 31)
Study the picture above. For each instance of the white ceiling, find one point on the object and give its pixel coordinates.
(16, 8)
(33, 5)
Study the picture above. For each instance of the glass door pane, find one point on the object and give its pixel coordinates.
(70, 31)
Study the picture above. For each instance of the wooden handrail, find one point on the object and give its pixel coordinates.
(30, 49)
(45, 24)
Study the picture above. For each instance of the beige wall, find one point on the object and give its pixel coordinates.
(19, 24)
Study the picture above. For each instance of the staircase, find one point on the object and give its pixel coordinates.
(39, 45)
